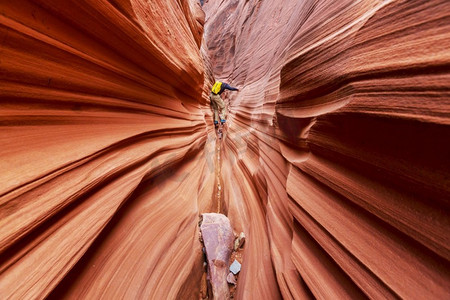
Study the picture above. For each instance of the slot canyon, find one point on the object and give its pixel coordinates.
(334, 160)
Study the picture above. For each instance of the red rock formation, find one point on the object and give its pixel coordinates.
(103, 168)
(336, 159)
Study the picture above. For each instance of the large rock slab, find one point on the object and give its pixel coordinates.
(218, 238)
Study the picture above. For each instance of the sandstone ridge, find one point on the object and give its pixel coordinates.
(336, 158)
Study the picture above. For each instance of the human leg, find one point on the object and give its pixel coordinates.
(215, 109)
(220, 104)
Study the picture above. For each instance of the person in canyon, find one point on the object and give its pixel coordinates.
(216, 101)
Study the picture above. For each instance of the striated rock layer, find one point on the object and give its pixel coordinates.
(335, 162)
(105, 158)
(336, 159)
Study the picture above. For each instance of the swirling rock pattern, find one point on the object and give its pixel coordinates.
(335, 162)
(336, 159)
(103, 163)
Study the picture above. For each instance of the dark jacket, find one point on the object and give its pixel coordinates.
(226, 86)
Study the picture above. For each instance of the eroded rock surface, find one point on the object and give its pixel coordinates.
(336, 160)
(103, 131)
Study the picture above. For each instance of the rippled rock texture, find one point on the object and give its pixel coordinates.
(104, 154)
(336, 160)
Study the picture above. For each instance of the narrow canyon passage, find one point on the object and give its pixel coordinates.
(218, 173)
(334, 161)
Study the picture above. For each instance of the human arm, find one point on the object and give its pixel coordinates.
(228, 87)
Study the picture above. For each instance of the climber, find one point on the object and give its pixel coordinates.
(217, 103)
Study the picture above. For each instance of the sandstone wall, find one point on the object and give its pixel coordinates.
(335, 162)
(102, 158)
(336, 159)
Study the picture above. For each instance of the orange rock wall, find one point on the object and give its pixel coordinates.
(335, 161)
(104, 161)
(336, 158)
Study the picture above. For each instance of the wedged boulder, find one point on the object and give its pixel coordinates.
(218, 239)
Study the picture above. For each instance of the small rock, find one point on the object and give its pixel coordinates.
(240, 240)
(231, 279)
(235, 267)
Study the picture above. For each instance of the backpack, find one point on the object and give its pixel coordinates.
(216, 87)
